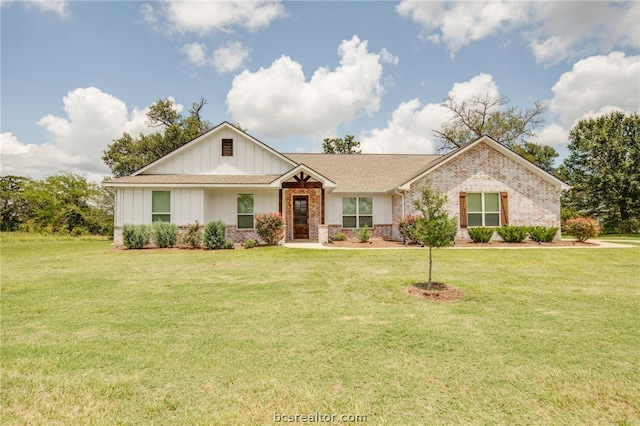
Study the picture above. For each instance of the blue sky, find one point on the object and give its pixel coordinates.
(76, 75)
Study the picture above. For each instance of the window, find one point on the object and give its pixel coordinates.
(245, 211)
(161, 206)
(483, 209)
(227, 147)
(357, 212)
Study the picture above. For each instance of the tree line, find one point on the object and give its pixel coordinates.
(602, 167)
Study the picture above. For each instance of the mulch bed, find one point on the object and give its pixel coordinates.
(439, 292)
(380, 243)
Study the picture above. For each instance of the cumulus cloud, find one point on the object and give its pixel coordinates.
(195, 53)
(75, 142)
(412, 124)
(597, 85)
(555, 31)
(279, 101)
(230, 57)
(203, 17)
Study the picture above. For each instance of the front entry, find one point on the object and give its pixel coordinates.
(301, 217)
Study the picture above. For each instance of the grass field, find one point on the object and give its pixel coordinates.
(92, 335)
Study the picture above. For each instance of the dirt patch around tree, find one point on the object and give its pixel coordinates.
(439, 292)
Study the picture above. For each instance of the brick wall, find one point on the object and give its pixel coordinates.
(315, 210)
(532, 200)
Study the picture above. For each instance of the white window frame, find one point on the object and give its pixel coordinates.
(357, 214)
(153, 213)
(483, 213)
(252, 214)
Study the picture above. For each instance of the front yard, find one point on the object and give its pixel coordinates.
(92, 335)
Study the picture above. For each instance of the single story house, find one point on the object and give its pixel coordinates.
(226, 174)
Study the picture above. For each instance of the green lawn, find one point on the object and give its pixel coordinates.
(96, 336)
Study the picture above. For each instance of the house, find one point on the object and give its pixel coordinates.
(226, 174)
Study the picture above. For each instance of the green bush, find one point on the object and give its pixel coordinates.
(249, 243)
(228, 244)
(338, 236)
(513, 234)
(542, 234)
(192, 235)
(164, 234)
(480, 235)
(214, 237)
(135, 236)
(582, 228)
(408, 228)
(270, 227)
(363, 234)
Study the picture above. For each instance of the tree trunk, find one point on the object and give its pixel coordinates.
(430, 263)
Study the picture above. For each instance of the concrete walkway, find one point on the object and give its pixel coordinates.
(307, 244)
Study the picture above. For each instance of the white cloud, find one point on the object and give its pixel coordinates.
(75, 142)
(279, 101)
(230, 57)
(552, 135)
(196, 53)
(555, 31)
(457, 24)
(597, 85)
(388, 58)
(203, 17)
(411, 127)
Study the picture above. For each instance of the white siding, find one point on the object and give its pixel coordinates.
(205, 157)
(382, 209)
(133, 205)
(221, 204)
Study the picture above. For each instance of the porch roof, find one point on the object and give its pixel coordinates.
(199, 180)
(367, 172)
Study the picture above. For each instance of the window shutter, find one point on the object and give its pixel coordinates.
(463, 210)
(504, 208)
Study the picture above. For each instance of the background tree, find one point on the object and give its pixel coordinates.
(13, 206)
(435, 228)
(490, 115)
(603, 170)
(127, 154)
(341, 146)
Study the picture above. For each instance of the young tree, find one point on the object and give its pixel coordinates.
(127, 154)
(341, 146)
(603, 170)
(435, 228)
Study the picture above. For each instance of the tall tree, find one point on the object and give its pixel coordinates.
(541, 155)
(14, 209)
(127, 154)
(341, 146)
(603, 170)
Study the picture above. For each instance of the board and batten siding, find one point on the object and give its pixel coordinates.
(134, 205)
(382, 209)
(206, 157)
(222, 204)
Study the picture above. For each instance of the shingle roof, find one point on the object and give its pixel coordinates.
(194, 179)
(366, 172)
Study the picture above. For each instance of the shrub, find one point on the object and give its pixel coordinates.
(135, 236)
(164, 234)
(582, 228)
(249, 243)
(192, 236)
(338, 236)
(214, 235)
(228, 244)
(408, 228)
(480, 235)
(363, 234)
(513, 234)
(542, 234)
(270, 227)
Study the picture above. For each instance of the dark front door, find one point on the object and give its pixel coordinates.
(301, 217)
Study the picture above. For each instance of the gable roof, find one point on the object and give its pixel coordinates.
(366, 172)
(199, 139)
(193, 180)
(498, 147)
